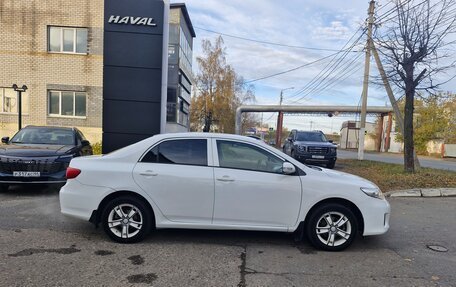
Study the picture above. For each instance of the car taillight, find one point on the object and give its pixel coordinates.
(72, 172)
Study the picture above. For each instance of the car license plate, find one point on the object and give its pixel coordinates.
(26, 173)
(318, 156)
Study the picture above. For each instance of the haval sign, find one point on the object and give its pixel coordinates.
(145, 21)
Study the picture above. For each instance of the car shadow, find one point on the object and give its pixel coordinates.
(223, 237)
(245, 238)
(32, 190)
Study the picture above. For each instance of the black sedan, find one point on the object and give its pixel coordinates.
(40, 155)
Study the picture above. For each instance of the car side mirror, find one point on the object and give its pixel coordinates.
(330, 141)
(288, 168)
(85, 143)
(290, 139)
(5, 140)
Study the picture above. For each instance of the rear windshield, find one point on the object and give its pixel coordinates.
(311, 137)
(44, 136)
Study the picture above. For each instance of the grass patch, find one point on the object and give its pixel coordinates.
(392, 176)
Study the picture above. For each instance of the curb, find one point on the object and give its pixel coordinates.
(423, 192)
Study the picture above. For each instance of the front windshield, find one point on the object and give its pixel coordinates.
(311, 137)
(44, 136)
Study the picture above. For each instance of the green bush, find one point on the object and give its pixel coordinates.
(96, 147)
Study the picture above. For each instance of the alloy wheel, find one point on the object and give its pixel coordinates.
(333, 229)
(125, 220)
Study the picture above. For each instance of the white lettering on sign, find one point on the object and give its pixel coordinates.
(145, 21)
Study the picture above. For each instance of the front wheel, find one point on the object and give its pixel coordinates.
(331, 164)
(332, 227)
(126, 219)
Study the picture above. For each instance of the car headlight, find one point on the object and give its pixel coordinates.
(333, 150)
(301, 148)
(373, 192)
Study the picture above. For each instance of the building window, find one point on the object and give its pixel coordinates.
(67, 103)
(9, 101)
(183, 113)
(67, 40)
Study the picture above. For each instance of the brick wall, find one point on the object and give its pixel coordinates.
(24, 59)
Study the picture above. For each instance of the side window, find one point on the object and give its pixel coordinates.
(245, 156)
(187, 152)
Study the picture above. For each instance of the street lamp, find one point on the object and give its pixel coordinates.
(19, 106)
(280, 120)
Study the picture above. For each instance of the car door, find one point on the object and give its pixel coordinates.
(176, 175)
(250, 188)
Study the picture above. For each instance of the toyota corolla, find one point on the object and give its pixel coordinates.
(219, 181)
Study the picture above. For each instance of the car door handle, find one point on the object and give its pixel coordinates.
(225, 179)
(148, 173)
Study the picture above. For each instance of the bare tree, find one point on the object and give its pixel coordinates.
(416, 46)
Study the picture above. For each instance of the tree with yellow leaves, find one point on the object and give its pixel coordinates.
(219, 91)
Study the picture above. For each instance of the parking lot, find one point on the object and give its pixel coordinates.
(40, 247)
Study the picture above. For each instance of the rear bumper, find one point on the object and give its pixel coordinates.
(79, 201)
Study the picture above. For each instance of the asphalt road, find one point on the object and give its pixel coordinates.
(40, 247)
(447, 164)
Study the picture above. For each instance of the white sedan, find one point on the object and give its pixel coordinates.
(220, 181)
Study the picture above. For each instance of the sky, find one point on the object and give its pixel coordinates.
(324, 25)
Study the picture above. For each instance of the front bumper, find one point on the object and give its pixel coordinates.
(58, 177)
(376, 217)
(307, 157)
(51, 169)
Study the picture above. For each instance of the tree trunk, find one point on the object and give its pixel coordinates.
(409, 161)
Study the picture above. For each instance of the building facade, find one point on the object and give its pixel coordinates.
(349, 135)
(180, 79)
(56, 49)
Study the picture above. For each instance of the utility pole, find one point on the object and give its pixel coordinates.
(280, 121)
(362, 128)
(389, 92)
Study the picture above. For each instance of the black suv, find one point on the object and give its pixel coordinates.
(40, 155)
(311, 147)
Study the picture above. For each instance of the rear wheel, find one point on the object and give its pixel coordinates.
(332, 227)
(126, 219)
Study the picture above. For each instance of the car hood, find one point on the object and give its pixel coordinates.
(354, 179)
(29, 150)
(306, 143)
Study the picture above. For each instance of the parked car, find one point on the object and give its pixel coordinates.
(40, 155)
(311, 147)
(219, 181)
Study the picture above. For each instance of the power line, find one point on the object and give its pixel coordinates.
(267, 42)
(291, 70)
(327, 70)
(340, 77)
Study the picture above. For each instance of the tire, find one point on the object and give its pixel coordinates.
(292, 154)
(126, 230)
(330, 237)
(4, 187)
(331, 164)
